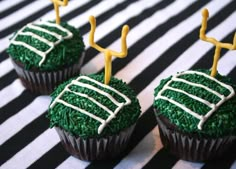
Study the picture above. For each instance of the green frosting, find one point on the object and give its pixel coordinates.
(221, 123)
(64, 54)
(81, 125)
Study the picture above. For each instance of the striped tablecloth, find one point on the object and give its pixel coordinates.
(163, 39)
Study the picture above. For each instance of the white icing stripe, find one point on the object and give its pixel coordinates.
(35, 27)
(199, 85)
(81, 110)
(97, 90)
(69, 34)
(230, 88)
(93, 100)
(213, 106)
(192, 96)
(181, 106)
(128, 101)
(49, 43)
(42, 54)
(77, 83)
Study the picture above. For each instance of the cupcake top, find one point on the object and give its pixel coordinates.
(198, 103)
(46, 46)
(86, 107)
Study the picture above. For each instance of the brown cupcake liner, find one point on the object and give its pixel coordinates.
(192, 147)
(45, 82)
(95, 148)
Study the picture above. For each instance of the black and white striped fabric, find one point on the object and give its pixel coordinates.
(163, 39)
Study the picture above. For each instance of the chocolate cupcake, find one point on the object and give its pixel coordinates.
(94, 120)
(45, 54)
(196, 115)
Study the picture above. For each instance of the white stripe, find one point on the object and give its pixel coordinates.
(11, 92)
(5, 67)
(229, 59)
(6, 5)
(187, 165)
(137, 33)
(25, 116)
(112, 23)
(143, 152)
(73, 163)
(33, 151)
(165, 42)
(22, 13)
(234, 165)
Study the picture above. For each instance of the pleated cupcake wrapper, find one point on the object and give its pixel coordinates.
(95, 148)
(45, 82)
(191, 148)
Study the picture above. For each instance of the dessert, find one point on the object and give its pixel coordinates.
(45, 54)
(95, 120)
(196, 110)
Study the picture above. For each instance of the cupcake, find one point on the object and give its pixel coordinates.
(196, 114)
(95, 115)
(45, 54)
(94, 120)
(196, 109)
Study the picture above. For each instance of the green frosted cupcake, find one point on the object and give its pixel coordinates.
(196, 114)
(45, 54)
(94, 120)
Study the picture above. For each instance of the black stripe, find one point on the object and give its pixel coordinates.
(143, 79)
(23, 137)
(7, 79)
(162, 159)
(100, 19)
(26, 20)
(232, 75)
(14, 8)
(138, 134)
(80, 10)
(206, 61)
(3, 56)
(132, 22)
(56, 155)
(16, 105)
(225, 162)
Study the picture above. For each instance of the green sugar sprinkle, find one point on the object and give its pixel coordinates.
(221, 123)
(82, 125)
(64, 54)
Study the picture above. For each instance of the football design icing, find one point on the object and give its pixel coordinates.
(37, 26)
(79, 83)
(213, 107)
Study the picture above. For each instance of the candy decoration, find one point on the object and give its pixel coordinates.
(219, 45)
(58, 3)
(107, 52)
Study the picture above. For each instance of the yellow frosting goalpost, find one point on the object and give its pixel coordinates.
(219, 45)
(107, 52)
(58, 3)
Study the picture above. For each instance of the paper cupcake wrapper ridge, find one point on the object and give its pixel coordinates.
(193, 148)
(95, 148)
(45, 82)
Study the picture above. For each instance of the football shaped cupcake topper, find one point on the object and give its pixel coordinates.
(219, 45)
(58, 3)
(107, 52)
